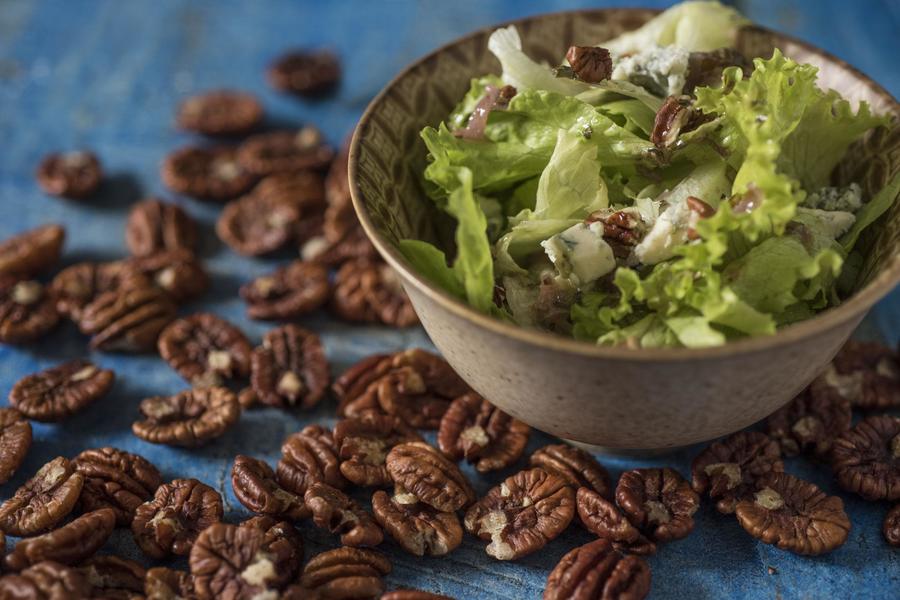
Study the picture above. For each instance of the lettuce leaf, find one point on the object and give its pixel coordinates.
(694, 26)
(870, 211)
(432, 263)
(523, 73)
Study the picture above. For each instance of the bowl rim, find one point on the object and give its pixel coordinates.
(854, 307)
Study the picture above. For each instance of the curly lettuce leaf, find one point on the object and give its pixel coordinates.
(523, 73)
(694, 26)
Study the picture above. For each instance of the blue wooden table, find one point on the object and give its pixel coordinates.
(108, 75)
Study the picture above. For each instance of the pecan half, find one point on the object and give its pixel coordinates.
(15, 440)
(891, 526)
(68, 545)
(114, 578)
(172, 520)
(866, 459)
(416, 527)
(27, 311)
(671, 118)
(602, 518)
(307, 457)
(43, 501)
(728, 469)
(178, 273)
(190, 418)
(116, 479)
(659, 502)
(811, 422)
(305, 72)
(154, 225)
(474, 429)
(370, 292)
(283, 541)
(78, 285)
(207, 173)
(288, 293)
(220, 112)
(205, 349)
(46, 579)
(353, 382)
(255, 487)
(163, 583)
(59, 392)
(31, 252)
(276, 151)
(75, 174)
(867, 374)
(522, 514)
(590, 64)
(334, 511)
(794, 515)
(597, 570)
(228, 561)
(425, 473)
(363, 444)
(576, 466)
(345, 573)
(289, 368)
(127, 319)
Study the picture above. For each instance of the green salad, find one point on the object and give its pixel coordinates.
(657, 190)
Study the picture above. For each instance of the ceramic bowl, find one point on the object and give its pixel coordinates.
(618, 398)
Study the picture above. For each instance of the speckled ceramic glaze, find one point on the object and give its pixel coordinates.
(614, 397)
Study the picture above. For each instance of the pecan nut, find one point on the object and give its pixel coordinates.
(27, 311)
(334, 511)
(57, 393)
(117, 480)
(811, 422)
(172, 520)
(309, 457)
(15, 440)
(43, 501)
(113, 577)
(671, 118)
(416, 527)
(866, 459)
(659, 502)
(304, 72)
(205, 349)
(288, 293)
(590, 64)
(728, 469)
(46, 579)
(80, 284)
(189, 418)
(75, 174)
(353, 382)
(597, 570)
(290, 368)
(163, 583)
(220, 112)
(474, 429)
(127, 319)
(576, 466)
(794, 515)
(68, 545)
(154, 225)
(522, 514)
(363, 444)
(230, 561)
(425, 473)
(891, 526)
(254, 225)
(31, 252)
(278, 151)
(370, 292)
(212, 173)
(345, 573)
(867, 374)
(282, 540)
(255, 487)
(602, 518)
(176, 272)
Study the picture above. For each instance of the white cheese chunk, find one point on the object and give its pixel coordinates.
(835, 222)
(668, 232)
(661, 70)
(580, 254)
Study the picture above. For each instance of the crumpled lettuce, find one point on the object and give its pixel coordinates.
(694, 26)
(523, 73)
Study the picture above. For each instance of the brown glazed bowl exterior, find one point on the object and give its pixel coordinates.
(619, 398)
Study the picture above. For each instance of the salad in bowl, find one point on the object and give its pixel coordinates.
(657, 190)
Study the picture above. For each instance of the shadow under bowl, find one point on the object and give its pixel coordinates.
(618, 398)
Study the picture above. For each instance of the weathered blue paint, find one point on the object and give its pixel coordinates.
(108, 74)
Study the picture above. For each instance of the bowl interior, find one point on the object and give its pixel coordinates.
(390, 156)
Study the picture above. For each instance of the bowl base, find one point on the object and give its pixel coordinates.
(625, 452)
